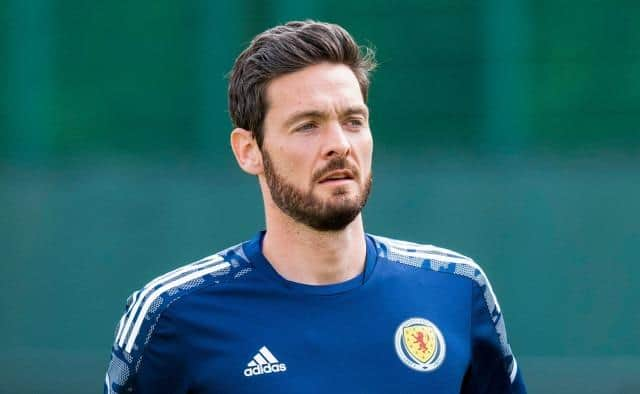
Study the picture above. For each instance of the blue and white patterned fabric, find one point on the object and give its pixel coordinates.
(418, 318)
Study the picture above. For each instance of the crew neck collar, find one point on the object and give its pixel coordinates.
(253, 251)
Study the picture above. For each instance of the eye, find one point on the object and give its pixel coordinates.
(355, 123)
(306, 127)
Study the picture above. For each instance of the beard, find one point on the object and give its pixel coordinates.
(332, 214)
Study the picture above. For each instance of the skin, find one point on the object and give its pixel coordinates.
(315, 115)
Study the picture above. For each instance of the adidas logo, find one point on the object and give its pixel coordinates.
(264, 362)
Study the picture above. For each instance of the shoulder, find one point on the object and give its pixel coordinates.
(425, 256)
(146, 318)
(431, 258)
(146, 305)
(486, 311)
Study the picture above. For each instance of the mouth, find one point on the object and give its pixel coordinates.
(336, 177)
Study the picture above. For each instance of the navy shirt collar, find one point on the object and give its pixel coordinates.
(253, 251)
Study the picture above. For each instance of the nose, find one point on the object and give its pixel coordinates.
(337, 141)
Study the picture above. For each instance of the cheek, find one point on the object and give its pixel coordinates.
(293, 162)
(366, 152)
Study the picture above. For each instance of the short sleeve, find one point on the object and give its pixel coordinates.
(493, 368)
(146, 354)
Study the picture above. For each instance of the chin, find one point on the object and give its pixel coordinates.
(343, 190)
(343, 203)
(342, 198)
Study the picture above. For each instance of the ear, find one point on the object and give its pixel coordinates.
(246, 150)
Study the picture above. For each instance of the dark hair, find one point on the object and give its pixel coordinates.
(285, 49)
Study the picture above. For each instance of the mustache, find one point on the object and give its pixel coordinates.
(338, 163)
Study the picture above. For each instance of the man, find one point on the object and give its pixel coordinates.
(313, 304)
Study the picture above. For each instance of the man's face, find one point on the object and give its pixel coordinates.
(317, 146)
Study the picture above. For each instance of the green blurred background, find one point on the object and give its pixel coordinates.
(509, 131)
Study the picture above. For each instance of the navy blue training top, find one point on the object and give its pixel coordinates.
(418, 317)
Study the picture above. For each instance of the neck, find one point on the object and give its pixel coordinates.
(304, 255)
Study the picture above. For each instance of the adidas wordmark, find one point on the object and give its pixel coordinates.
(264, 362)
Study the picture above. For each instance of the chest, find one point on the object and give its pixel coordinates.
(382, 338)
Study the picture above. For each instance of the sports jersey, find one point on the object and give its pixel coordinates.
(417, 318)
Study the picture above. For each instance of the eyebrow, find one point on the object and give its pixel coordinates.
(357, 110)
(296, 116)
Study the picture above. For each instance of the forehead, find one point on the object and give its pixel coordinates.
(325, 87)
